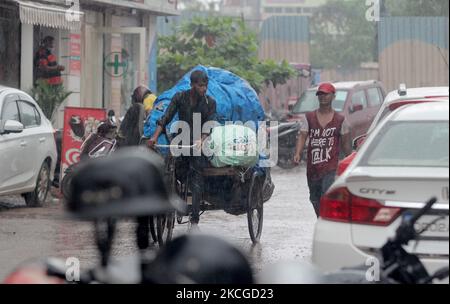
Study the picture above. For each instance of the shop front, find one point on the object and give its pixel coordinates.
(9, 45)
(104, 47)
(117, 40)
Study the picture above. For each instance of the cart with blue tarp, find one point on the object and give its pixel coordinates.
(233, 186)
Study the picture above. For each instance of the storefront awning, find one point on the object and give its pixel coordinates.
(55, 16)
(156, 7)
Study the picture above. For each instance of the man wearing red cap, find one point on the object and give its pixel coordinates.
(328, 132)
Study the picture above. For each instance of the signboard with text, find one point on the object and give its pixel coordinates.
(78, 124)
(75, 55)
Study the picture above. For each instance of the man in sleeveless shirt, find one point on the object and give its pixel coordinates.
(328, 132)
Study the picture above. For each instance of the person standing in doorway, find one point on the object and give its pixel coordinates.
(45, 63)
(328, 132)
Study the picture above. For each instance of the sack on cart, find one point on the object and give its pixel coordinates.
(233, 145)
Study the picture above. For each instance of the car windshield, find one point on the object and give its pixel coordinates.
(309, 102)
(410, 144)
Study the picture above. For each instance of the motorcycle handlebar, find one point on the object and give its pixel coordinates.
(406, 232)
(422, 211)
(175, 146)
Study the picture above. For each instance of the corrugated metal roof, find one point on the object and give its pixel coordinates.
(286, 28)
(297, 52)
(432, 30)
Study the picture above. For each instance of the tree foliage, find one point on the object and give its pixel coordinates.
(341, 36)
(221, 42)
(49, 97)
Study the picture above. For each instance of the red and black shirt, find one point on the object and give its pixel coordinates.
(44, 58)
(324, 144)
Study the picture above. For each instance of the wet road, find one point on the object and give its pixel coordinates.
(30, 233)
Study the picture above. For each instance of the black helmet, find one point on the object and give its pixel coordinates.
(129, 183)
(199, 259)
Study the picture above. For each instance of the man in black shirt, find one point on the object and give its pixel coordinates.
(187, 104)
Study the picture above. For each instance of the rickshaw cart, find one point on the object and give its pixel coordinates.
(236, 190)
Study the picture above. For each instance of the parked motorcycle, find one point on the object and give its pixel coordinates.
(99, 144)
(136, 183)
(286, 134)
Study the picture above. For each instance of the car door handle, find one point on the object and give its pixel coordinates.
(42, 139)
(23, 143)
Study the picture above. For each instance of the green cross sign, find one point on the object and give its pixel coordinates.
(112, 61)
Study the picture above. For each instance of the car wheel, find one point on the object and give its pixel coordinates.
(65, 183)
(39, 194)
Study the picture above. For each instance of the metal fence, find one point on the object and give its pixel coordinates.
(285, 38)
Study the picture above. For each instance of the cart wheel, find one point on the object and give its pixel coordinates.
(164, 228)
(153, 229)
(255, 210)
(184, 189)
(165, 224)
(170, 171)
(66, 181)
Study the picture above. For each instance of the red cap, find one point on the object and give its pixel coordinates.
(326, 87)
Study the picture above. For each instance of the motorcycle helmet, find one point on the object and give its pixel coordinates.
(199, 259)
(130, 183)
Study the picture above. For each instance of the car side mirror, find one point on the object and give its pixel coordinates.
(12, 126)
(358, 141)
(356, 108)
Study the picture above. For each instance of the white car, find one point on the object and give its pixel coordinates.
(403, 163)
(27, 147)
(393, 101)
(404, 96)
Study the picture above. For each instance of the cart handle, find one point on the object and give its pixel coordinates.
(175, 146)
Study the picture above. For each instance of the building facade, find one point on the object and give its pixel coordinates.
(104, 45)
(249, 10)
(271, 8)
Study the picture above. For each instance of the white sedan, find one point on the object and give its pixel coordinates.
(403, 96)
(403, 163)
(27, 147)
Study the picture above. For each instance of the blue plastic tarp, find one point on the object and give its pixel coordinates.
(236, 100)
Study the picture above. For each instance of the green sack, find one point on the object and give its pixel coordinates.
(233, 145)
